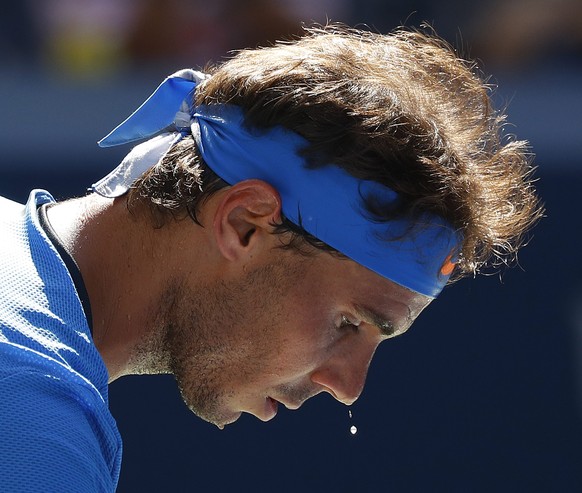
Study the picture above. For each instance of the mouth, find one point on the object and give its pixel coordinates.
(270, 409)
(292, 406)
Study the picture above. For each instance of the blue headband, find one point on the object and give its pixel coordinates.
(326, 201)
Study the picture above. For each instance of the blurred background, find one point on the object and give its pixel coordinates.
(483, 394)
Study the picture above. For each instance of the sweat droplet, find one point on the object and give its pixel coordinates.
(353, 429)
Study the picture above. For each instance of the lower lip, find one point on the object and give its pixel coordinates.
(271, 406)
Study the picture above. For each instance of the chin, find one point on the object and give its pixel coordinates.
(217, 417)
(221, 424)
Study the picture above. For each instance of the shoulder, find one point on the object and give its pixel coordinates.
(57, 433)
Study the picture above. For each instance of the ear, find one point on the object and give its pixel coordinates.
(244, 217)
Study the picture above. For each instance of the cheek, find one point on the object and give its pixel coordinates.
(304, 322)
(306, 340)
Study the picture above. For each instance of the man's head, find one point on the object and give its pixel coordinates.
(253, 321)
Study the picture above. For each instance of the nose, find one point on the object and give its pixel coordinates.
(344, 374)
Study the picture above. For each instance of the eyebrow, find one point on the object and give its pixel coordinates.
(370, 316)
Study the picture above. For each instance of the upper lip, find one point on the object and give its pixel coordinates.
(292, 405)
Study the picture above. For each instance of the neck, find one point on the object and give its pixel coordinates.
(115, 252)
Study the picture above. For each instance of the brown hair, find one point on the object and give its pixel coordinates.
(401, 109)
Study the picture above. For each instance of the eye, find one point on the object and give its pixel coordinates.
(346, 323)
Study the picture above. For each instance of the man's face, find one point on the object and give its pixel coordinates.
(286, 329)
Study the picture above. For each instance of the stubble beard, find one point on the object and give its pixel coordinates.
(204, 337)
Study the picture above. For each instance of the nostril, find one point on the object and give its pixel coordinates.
(319, 379)
(327, 385)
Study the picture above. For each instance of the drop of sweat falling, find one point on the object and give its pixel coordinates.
(353, 429)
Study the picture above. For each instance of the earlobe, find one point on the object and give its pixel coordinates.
(244, 216)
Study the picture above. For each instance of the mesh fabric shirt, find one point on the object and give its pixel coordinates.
(56, 431)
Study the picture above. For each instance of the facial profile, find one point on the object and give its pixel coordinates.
(290, 328)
